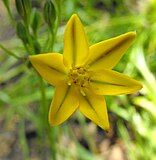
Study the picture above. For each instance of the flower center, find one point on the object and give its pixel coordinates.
(79, 76)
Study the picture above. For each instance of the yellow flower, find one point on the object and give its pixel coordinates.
(82, 75)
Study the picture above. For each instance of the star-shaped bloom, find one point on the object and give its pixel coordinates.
(83, 74)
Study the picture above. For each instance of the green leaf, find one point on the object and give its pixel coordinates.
(21, 32)
(35, 21)
(49, 13)
(24, 9)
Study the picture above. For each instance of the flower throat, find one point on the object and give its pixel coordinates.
(79, 76)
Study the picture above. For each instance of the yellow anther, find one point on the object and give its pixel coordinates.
(69, 83)
(82, 92)
(79, 76)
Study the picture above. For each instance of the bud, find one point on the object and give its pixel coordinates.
(49, 13)
(21, 32)
(24, 9)
(35, 21)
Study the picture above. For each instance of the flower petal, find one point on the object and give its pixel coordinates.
(94, 107)
(75, 43)
(50, 66)
(106, 54)
(109, 82)
(64, 103)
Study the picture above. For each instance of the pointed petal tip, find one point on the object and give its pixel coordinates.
(32, 58)
(35, 58)
(106, 128)
(140, 86)
(53, 122)
(132, 34)
(75, 17)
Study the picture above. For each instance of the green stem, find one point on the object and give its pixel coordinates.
(53, 31)
(87, 136)
(50, 41)
(43, 101)
(23, 141)
(51, 133)
(30, 41)
(9, 52)
(43, 117)
(27, 48)
(58, 20)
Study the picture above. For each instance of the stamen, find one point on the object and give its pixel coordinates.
(80, 77)
(69, 83)
(82, 92)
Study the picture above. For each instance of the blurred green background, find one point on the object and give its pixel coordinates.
(25, 97)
